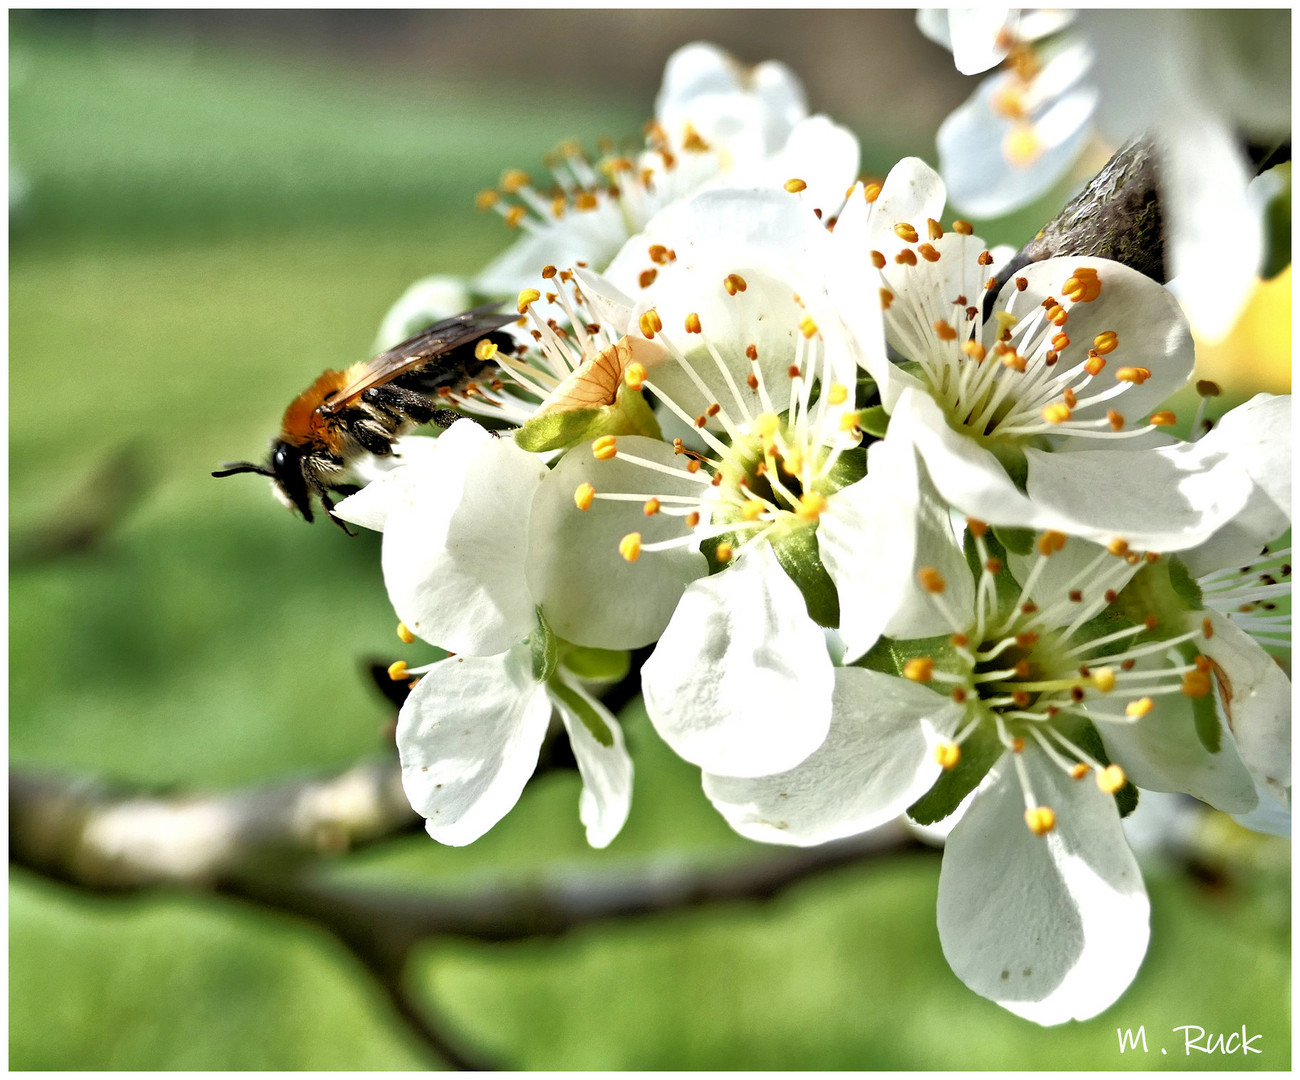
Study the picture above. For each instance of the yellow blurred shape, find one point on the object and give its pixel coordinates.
(1257, 354)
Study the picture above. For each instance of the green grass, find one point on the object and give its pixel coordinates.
(205, 232)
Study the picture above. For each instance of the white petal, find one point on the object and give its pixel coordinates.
(452, 540)
(588, 592)
(606, 771)
(468, 736)
(1161, 751)
(740, 683)
(823, 155)
(1215, 235)
(876, 761)
(973, 34)
(1256, 697)
(912, 192)
(1051, 927)
(1151, 328)
(875, 536)
(1258, 434)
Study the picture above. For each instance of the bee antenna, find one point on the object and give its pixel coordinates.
(232, 467)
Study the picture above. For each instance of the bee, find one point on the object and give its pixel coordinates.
(345, 414)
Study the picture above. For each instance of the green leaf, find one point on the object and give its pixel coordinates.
(1180, 578)
(546, 649)
(591, 719)
(596, 665)
(979, 752)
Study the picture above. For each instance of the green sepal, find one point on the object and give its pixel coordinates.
(979, 753)
(629, 415)
(1016, 541)
(591, 719)
(1011, 456)
(1277, 227)
(865, 391)
(874, 420)
(800, 558)
(546, 649)
(1205, 714)
(849, 468)
(1186, 586)
(890, 655)
(596, 665)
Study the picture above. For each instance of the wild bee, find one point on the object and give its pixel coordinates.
(345, 414)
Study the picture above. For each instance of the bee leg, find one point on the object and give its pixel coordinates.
(400, 403)
(329, 509)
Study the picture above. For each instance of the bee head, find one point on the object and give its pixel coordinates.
(288, 479)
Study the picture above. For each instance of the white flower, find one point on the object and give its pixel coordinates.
(1071, 663)
(461, 557)
(741, 682)
(1196, 81)
(716, 123)
(1022, 417)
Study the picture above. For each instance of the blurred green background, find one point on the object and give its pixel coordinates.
(211, 208)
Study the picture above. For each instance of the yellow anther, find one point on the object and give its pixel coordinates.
(515, 216)
(931, 580)
(963, 227)
(1111, 779)
(1093, 365)
(944, 331)
(838, 394)
(734, 283)
(947, 754)
(1103, 678)
(977, 528)
(724, 552)
(404, 633)
(871, 192)
(811, 506)
(767, 425)
(693, 324)
(1139, 708)
(919, 669)
(1135, 375)
(604, 447)
(929, 252)
(974, 350)
(906, 257)
(905, 232)
(630, 547)
(1106, 342)
(934, 229)
(647, 277)
(1079, 770)
(808, 326)
(1040, 819)
(1057, 315)
(1115, 419)
(485, 200)
(514, 179)
(794, 186)
(485, 350)
(849, 421)
(752, 510)
(585, 200)
(583, 496)
(1118, 547)
(652, 506)
(650, 323)
(397, 670)
(1196, 684)
(1050, 542)
(886, 298)
(526, 297)
(635, 375)
(1022, 146)
(1163, 419)
(1058, 412)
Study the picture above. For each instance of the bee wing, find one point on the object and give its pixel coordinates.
(420, 349)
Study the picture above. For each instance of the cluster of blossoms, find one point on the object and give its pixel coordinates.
(901, 544)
